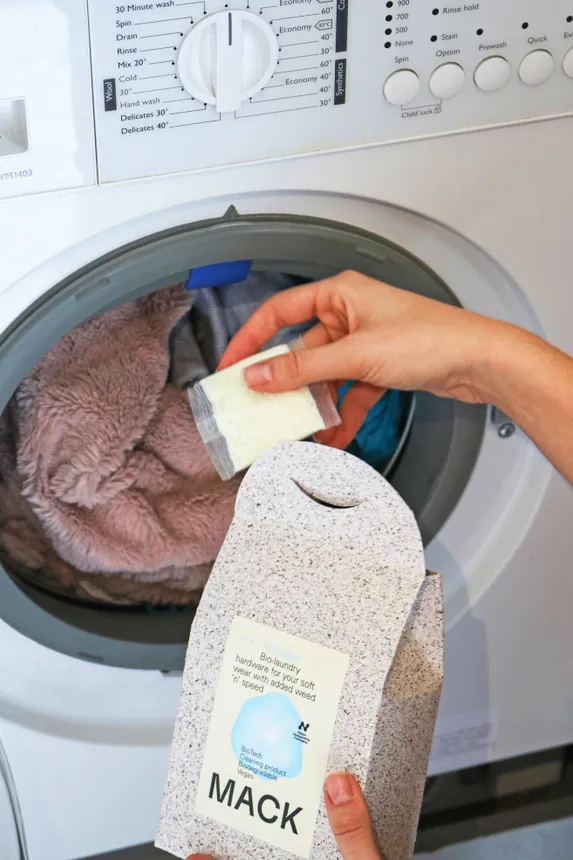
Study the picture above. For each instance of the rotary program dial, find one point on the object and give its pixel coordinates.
(227, 57)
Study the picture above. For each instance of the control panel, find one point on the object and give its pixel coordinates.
(183, 84)
(160, 86)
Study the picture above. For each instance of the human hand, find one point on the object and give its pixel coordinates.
(380, 336)
(348, 817)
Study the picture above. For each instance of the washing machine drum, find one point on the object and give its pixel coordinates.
(435, 447)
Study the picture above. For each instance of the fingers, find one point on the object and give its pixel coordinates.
(355, 406)
(292, 370)
(318, 335)
(292, 306)
(349, 818)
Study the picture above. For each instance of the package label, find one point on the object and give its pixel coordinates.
(269, 737)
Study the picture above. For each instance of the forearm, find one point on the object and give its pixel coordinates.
(532, 383)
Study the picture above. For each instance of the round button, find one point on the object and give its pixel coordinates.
(492, 74)
(227, 57)
(447, 81)
(402, 87)
(568, 63)
(536, 68)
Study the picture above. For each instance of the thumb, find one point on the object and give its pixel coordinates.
(349, 818)
(300, 367)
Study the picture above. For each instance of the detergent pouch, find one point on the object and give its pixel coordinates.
(237, 424)
(317, 646)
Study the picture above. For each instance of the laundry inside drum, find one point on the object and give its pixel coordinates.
(107, 495)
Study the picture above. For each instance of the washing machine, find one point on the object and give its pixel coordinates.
(422, 144)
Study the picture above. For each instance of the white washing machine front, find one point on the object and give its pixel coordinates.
(486, 213)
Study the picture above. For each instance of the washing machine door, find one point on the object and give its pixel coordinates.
(12, 842)
(451, 450)
(441, 438)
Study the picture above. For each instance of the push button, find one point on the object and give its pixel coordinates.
(536, 68)
(447, 81)
(492, 74)
(402, 87)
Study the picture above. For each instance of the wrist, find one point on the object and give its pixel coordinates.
(501, 370)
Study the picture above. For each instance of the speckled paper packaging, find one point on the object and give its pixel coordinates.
(321, 548)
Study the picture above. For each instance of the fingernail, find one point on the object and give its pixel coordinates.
(339, 788)
(258, 374)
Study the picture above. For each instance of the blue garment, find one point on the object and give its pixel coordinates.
(378, 438)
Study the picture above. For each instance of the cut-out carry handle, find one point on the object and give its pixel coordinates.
(321, 500)
(323, 495)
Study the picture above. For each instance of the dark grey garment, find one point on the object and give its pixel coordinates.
(187, 364)
(220, 313)
(200, 339)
